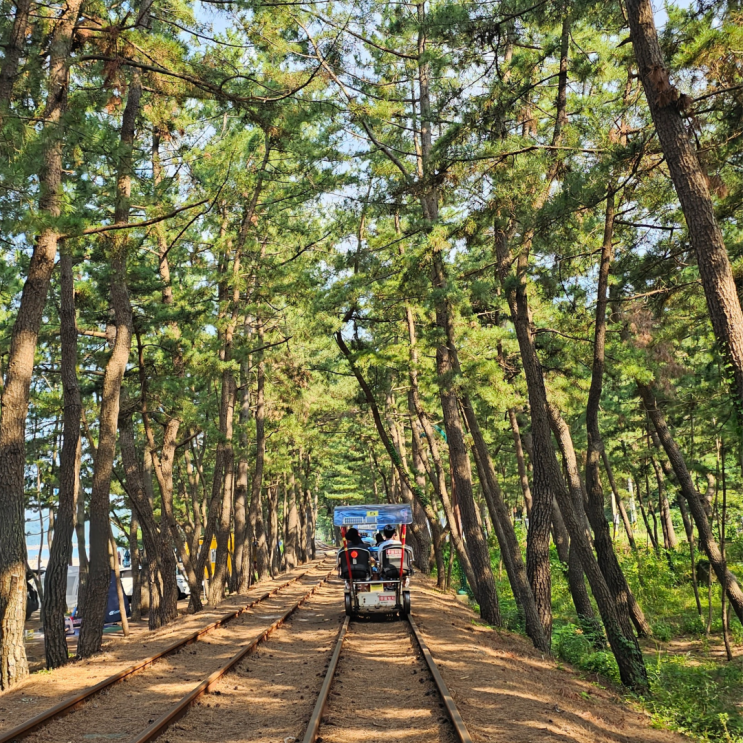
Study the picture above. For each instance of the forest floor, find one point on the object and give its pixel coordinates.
(505, 690)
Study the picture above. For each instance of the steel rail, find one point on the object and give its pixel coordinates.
(160, 725)
(451, 708)
(69, 703)
(313, 726)
(322, 699)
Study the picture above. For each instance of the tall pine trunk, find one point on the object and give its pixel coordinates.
(666, 106)
(291, 524)
(137, 493)
(94, 608)
(547, 477)
(627, 606)
(55, 643)
(509, 545)
(13, 53)
(694, 500)
(242, 530)
(437, 474)
(20, 363)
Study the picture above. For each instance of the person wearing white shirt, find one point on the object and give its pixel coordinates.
(390, 537)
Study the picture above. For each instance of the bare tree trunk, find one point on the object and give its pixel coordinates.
(520, 460)
(509, 546)
(256, 504)
(273, 529)
(291, 522)
(419, 466)
(693, 498)
(20, 364)
(670, 542)
(477, 547)
(627, 606)
(666, 106)
(619, 502)
(219, 578)
(576, 579)
(547, 477)
(91, 630)
(438, 474)
(136, 491)
(170, 534)
(540, 520)
(13, 53)
(643, 511)
(55, 608)
(117, 579)
(242, 526)
(421, 538)
(82, 549)
(301, 514)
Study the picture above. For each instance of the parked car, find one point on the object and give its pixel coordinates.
(32, 598)
(127, 581)
(73, 584)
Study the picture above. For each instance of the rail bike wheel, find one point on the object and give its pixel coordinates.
(405, 610)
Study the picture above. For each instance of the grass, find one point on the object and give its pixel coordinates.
(698, 698)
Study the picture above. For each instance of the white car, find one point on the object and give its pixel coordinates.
(127, 582)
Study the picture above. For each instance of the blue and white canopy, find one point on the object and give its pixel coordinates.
(372, 515)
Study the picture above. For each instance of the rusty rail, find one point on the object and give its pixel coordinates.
(73, 701)
(160, 725)
(322, 699)
(451, 708)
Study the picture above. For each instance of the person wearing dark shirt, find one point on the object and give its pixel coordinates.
(353, 538)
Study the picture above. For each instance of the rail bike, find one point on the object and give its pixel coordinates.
(376, 576)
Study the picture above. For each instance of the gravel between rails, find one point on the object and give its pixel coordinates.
(383, 691)
(124, 709)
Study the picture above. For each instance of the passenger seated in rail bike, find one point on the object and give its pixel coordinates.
(353, 539)
(354, 556)
(394, 560)
(390, 536)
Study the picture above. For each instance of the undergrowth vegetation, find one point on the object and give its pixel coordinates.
(693, 689)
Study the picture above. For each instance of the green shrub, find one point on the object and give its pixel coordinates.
(696, 698)
(662, 631)
(572, 644)
(693, 625)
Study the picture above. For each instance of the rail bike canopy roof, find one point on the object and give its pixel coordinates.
(372, 515)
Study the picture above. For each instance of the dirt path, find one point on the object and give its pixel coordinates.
(152, 688)
(507, 692)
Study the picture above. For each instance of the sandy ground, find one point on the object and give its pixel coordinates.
(42, 690)
(270, 695)
(507, 691)
(504, 689)
(383, 691)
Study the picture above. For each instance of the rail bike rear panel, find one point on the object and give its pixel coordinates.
(377, 580)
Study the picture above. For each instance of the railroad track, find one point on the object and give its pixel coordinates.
(395, 714)
(375, 674)
(251, 620)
